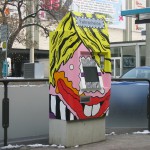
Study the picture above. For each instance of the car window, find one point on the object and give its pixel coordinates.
(130, 74)
(141, 73)
(137, 73)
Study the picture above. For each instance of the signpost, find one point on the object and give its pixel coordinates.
(4, 40)
(4, 46)
(4, 32)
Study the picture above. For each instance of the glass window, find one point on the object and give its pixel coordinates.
(142, 55)
(129, 58)
(115, 52)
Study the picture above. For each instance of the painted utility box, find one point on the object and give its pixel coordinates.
(80, 68)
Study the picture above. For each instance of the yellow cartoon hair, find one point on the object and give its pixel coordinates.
(68, 37)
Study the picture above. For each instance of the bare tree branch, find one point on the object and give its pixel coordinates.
(20, 16)
(34, 24)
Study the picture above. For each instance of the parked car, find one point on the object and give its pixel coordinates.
(128, 102)
(138, 73)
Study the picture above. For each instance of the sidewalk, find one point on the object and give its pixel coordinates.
(113, 142)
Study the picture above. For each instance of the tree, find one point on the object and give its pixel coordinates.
(22, 14)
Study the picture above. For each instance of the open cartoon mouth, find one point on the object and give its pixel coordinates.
(93, 109)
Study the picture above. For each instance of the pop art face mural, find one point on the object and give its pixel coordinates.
(80, 68)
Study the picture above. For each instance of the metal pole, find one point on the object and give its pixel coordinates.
(6, 52)
(147, 39)
(148, 63)
(6, 62)
(148, 108)
(5, 112)
(32, 34)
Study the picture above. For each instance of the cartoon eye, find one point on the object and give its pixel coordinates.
(71, 67)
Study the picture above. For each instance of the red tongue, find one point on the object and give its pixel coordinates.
(71, 98)
(73, 101)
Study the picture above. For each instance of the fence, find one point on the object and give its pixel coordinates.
(128, 102)
(24, 108)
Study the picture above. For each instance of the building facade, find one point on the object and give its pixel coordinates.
(128, 44)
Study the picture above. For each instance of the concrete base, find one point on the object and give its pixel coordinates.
(72, 133)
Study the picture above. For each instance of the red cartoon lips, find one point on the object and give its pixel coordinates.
(93, 109)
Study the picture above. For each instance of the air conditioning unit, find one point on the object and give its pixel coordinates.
(33, 70)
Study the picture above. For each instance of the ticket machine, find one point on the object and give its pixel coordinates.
(80, 74)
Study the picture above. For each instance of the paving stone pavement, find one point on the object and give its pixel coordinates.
(112, 142)
(115, 140)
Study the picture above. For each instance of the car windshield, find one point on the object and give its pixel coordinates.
(137, 73)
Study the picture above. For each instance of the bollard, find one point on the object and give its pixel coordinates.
(5, 118)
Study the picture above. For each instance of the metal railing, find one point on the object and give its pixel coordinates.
(5, 102)
(148, 96)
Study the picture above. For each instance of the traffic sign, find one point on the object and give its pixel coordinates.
(4, 32)
(4, 46)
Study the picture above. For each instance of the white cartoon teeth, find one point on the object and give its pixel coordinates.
(91, 110)
(95, 109)
(87, 110)
(53, 104)
(63, 111)
(71, 116)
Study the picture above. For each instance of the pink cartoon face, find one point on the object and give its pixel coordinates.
(81, 90)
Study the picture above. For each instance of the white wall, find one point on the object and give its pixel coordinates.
(45, 62)
(115, 35)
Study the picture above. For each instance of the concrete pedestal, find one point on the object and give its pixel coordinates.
(71, 133)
